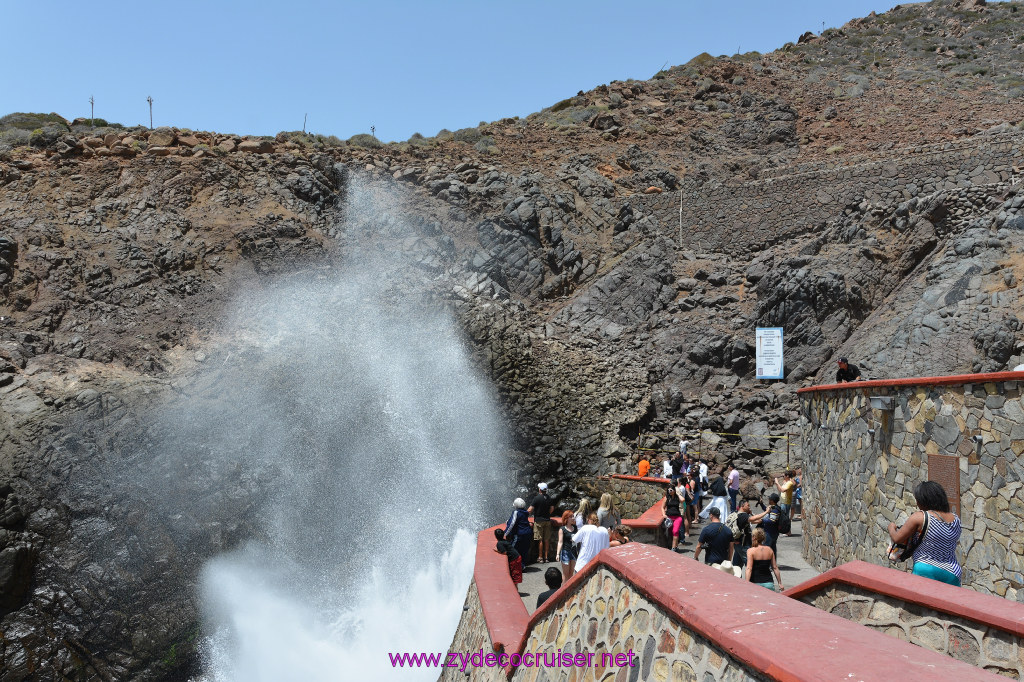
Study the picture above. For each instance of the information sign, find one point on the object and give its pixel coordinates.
(769, 353)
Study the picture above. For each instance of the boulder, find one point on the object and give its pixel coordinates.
(162, 137)
(256, 146)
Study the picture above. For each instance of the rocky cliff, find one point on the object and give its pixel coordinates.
(607, 258)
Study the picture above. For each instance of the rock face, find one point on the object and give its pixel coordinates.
(604, 316)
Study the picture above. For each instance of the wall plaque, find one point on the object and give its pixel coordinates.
(945, 470)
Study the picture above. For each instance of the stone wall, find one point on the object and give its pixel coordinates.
(966, 640)
(737, 217)
(856, 481)
(472, 635)
(633, 495)
(606, 615)
(665, 615)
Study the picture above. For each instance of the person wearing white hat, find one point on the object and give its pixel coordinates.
(517, 528)
(540, 507)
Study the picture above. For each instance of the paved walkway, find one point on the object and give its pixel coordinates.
(791, 564)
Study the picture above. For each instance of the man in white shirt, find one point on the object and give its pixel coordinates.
(703, 476)
(666, 467)
(734, 487)
(591, 538)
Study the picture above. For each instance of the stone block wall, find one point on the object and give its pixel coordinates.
(633, 495)
(472, 635)
(673, 618)
(990, 648)
(856, 482)
(737, 217)
(607, 615)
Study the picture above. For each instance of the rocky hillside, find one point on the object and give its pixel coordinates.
(608, 258)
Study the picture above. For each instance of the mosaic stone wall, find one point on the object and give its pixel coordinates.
(608, 616)
(856, 481)
(632, 498)
(994, 650)
(470, 636)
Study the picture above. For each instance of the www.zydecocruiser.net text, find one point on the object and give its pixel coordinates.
(478, 659)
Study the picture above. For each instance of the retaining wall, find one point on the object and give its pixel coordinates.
(633, 495)
(682, 620)
(984, 631)
(737, 217)
(966, 432)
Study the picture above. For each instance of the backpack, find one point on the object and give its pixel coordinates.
(732, 523)
(784, 524)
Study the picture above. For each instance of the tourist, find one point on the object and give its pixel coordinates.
(644, 467)
(666, 467)
(619, 536)
(671, 512)
(553, 579)
(566, 550)
(798, 495)
(703, 466)
(591, 538)
(846, 372)
(518, 530)
(734, 486)
(583, 512)
(541, 508)
(770, 521)
(719, 497)
(761, 563)
(677, 466)
(935, 555)
(515, 559)
(716, 538)
(743, 517)
(786, 488)
(685, 504)
(696, 495)
(608, 515)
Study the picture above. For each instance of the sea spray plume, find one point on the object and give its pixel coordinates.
(336, 438)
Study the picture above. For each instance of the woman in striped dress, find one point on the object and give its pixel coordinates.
(935, 555)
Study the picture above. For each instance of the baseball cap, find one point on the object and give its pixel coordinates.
(542, 486)
(843, 361)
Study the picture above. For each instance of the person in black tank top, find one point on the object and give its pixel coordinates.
(670, 512)
(761, 563)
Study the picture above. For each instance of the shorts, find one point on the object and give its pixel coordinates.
(515, 569)
(935, 573)
(541, 529)
(770, 586)
(566, 557)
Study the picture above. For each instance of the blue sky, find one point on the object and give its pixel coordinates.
(403, 67)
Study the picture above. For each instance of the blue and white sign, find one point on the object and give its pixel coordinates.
(769, 353)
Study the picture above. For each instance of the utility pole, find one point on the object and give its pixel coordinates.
(92, 112)
(150, 100)
(373, 131)
(304, 117)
